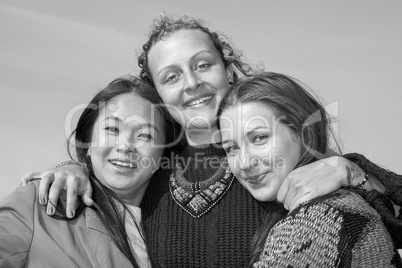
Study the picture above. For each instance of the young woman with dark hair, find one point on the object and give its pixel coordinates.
(120, 136)
(271, 125)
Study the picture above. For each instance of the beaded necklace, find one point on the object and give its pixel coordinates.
(197, 198)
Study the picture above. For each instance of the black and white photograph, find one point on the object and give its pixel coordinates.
(201, 133)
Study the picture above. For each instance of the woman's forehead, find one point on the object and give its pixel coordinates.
(181, 44)
(130, 106)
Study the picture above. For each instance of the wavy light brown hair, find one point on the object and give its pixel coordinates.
(301, 112)
(166, 25)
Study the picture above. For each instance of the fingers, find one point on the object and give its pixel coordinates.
(283, 191)
(289, 196)
(297, 190)
(290, 187)
(299, 197)
(30, 176)
(54, 193)
(25, 179)
(52, 183)
(72, 192)
(51, 208)
(87, 195)
(310, 181)
(296, 202)
(44, 184)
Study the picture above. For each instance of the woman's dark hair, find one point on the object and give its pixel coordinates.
(107, 205)
(295, 107)
(167, 25)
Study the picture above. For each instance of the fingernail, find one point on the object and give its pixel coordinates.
(70, 213)
(42, 200)
(50, 210)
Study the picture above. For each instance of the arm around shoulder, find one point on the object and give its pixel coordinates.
(390, 180)
(392, 183)
(16, 225)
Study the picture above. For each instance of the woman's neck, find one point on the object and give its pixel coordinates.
(203, 136)
(132, 197)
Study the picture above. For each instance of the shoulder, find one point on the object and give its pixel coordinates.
(342, 200)
(319, 220)
(346, 207)
(20, 210)
(342, 212)
(22, 197)
(17, 214)
(363, 231)
(307, 237)
(339, 227)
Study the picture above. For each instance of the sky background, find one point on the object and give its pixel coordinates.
(55, 55)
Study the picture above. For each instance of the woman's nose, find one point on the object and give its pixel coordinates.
(126, 144)
(191, 81)
(126, 148)
(246, 160)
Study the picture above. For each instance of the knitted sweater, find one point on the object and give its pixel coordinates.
(219, 238)
(336, 230)
(381, 202)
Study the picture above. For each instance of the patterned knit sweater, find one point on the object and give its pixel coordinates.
(381, 202)
(219, 238)
(336, 230)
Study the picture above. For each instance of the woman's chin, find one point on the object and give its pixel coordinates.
(262, 196)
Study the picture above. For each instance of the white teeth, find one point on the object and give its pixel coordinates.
(201, 100)
(123, 164)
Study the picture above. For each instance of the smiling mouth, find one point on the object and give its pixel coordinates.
(123, 164)
(199, 101)
(257, 178)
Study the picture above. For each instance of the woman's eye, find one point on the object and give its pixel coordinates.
(112, 129)
(202, 66)
(259, 138)
(230, 150)
(145, 137)
(171, 77)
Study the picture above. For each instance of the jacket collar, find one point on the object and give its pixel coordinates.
(93, 222)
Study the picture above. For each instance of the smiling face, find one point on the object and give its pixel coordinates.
(190, 77)
(126, 154)
(261, 150)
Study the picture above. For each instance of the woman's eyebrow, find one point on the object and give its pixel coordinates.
(201, 53)
(114, 117)
(251, 131)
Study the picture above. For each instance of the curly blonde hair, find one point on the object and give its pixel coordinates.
(166, 25)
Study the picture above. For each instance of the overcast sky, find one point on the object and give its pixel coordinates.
(55, 55)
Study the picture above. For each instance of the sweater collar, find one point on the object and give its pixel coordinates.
(212, 149)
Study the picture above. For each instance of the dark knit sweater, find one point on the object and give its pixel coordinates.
(336, 230)
(219, 238)
(381, 202)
